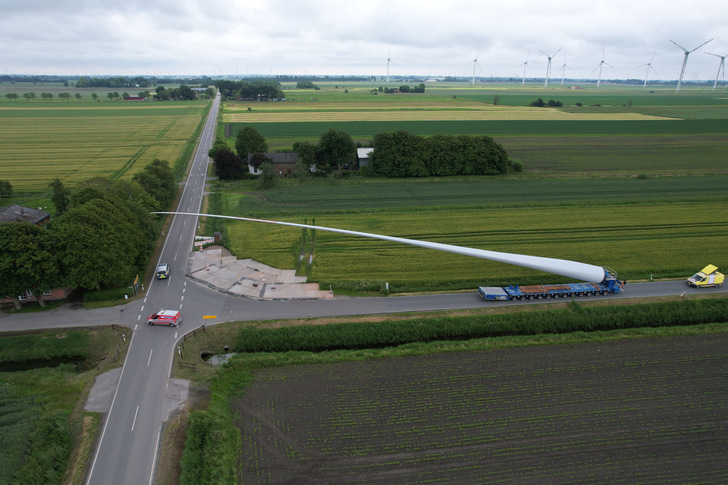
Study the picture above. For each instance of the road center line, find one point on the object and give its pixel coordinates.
(149, 360)
(135, 416)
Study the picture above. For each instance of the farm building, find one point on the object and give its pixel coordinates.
(18, 213)
(284, 163)
(362, 156)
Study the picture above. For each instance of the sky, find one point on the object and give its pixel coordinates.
(422, 38)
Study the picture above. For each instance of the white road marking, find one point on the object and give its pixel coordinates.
(183, 298)
(149, 360)
(175, 256)
(142, 308)
(135, 416)
(139, 317)
(135, 326)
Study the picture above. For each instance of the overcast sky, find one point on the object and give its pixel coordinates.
(340, 37)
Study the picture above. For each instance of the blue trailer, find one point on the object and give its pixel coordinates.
(610, 284)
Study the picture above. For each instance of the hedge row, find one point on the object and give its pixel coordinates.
(391, 332)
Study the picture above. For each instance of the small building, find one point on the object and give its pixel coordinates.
(362, 155)
(18, 213)
(284, 163)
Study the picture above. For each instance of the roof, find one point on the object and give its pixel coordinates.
(363, 152)
(279, 158)
(18, 213)
(709, 269)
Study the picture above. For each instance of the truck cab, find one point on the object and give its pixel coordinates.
(708, 276)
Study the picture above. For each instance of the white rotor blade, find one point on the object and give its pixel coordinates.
(563, 267)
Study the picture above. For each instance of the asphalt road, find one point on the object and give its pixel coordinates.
(127, 448)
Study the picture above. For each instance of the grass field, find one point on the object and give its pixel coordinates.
(75, 141)
(45, 436)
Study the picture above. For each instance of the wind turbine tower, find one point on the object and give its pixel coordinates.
(548, 65)
(475, 64)
(600, 66)
(389, 61)
(649, 66)
(685, 61)
(525, 65)
(563, 70)
(721, 67)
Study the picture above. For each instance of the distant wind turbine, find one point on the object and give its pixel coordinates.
(475, 64)
(721, 67)
(548, 66)
(600, 66)
(563, 70)
(389, 61)
(525, 65)
(649, 66)
(685, 61)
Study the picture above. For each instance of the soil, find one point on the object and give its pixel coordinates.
(618, 412)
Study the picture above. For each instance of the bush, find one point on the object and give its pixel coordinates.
(107, 295)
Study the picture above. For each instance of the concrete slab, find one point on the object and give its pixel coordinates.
(102, 392)
(250, 279)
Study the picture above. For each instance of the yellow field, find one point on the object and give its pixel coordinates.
(423, 111)
(38, 144)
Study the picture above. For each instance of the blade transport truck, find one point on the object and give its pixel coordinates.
(610, 284)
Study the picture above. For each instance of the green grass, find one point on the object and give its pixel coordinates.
(41, 407)
(75, 141)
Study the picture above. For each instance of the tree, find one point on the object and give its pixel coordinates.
(97, 242)
(12, 96)
(47, 96)
(95, 96)
(228, 165)
(60, 197)
(217, 145)
(336, 148)
(186, 92)
(29, 96)
(78, 96)
(306, 158)
(267, 179)
(6, 189)
(249, 141)
(65, 96)
(157, 180)
(26, 261)
(256, 160)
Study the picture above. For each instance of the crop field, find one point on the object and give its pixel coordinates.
(645, 410)
(77, 141)
(665, 240)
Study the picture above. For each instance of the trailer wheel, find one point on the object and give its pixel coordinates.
(604, 292)
(514, 298)
(581, 293)
(547, 296)
(521, 297)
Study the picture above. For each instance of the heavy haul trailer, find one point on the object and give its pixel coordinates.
(610, 284)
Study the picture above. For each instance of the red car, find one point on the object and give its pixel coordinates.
(165, 317)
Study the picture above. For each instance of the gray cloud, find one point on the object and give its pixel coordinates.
(334, 37)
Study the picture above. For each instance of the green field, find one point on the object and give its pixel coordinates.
(75, 141)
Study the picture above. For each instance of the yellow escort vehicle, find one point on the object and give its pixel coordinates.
(709, 276)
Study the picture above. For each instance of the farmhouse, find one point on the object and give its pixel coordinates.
(18, 213)
(284, 163)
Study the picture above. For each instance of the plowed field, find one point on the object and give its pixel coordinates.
(651, 410)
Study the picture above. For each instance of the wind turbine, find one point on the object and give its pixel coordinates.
(600, 66)
(548, 65)
(563, 70)
(721, 67)
(649, 66)
(389, 61)
(525, 65)
(475, 64)
(685, 61)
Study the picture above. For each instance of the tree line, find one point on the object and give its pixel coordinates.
(395, 155)
(102, 234)
(257, 89)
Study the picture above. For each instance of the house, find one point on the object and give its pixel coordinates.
(284, 163)
(18, 213)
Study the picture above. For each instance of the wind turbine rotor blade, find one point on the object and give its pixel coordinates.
(653, 56)
(563, 267)
(683, 48)
(558, 51)
(701, 45)
(542, 52)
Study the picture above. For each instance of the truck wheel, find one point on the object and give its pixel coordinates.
(604, 292)
(521, 297)
(538, 297)
(514, 298)
(547, 296)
